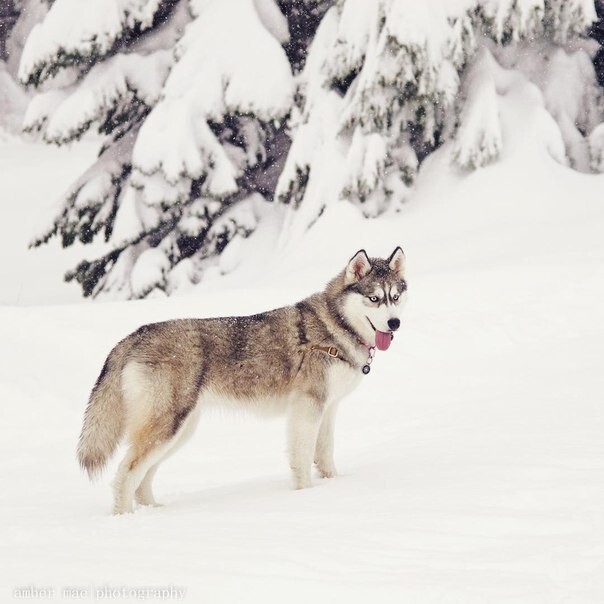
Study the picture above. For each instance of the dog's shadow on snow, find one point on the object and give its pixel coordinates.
(270, 491)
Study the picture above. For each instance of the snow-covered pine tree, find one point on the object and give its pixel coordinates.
(388, 81)
(192, 137)
(192, 95)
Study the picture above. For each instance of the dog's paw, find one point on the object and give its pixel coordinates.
(302, 484)
(301, 478)
(327, 471)
(152, 504)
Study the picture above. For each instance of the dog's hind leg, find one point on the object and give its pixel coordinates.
(148, 447)
(304, 420)
(324, 446)
(160, 400)
(144, 492)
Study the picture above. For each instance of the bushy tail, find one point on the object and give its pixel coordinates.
(103, 421)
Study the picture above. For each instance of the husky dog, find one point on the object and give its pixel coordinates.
(299, 359)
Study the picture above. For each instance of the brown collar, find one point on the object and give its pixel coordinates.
(332, 351)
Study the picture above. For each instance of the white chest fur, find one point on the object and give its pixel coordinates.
(341, 380)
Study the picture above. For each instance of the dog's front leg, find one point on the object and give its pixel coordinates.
(324, 447)
(304, 419)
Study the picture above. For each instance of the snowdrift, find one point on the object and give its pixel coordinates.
(471, 459)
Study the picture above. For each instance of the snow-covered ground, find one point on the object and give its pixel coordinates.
(471, 459)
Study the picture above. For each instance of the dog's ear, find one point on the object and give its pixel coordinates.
(358, 267)
(396, 262)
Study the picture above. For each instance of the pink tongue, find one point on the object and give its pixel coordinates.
(382, 340)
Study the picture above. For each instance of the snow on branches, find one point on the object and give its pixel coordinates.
(399, 78)
(74, 33)
(193, 96)
(211, 108)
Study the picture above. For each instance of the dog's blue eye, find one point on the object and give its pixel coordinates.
(395, 297)
(373, 298)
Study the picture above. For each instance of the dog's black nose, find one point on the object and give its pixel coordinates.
(394, 324)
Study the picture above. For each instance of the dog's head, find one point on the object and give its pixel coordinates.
(375, 292)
